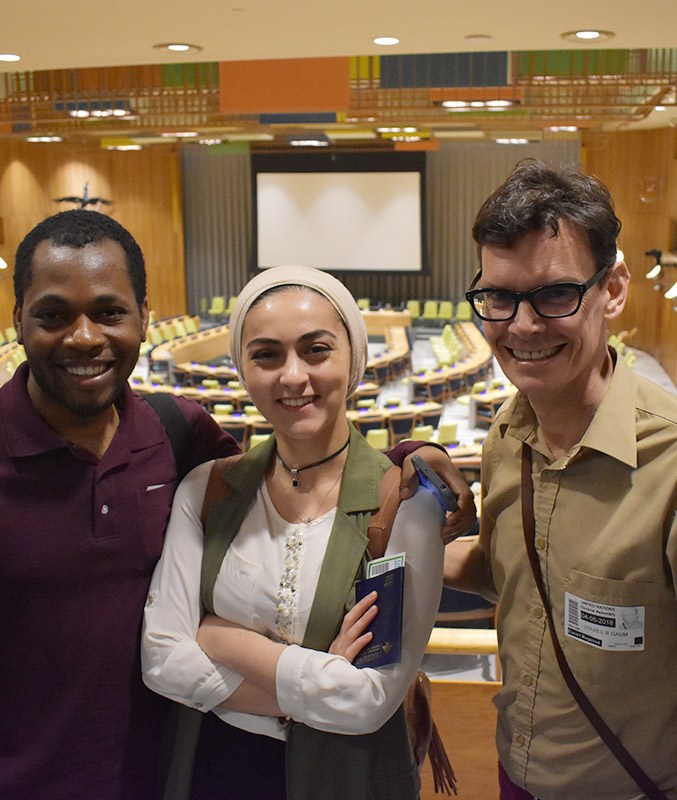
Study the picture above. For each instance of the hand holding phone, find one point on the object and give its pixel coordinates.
(432, 481)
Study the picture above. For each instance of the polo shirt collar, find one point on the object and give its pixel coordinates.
(611, 432)
(29, 434)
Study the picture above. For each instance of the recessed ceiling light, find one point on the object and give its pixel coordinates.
(511, 141)
(180, 134)
(178, 47)
(9, 57)
(386, 41)
(660, 108)
(588, 35)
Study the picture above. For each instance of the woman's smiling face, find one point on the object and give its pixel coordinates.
(296, 363)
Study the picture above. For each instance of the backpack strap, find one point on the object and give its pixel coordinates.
(176, 427)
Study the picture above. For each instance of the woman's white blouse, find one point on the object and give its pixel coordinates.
(254, 589)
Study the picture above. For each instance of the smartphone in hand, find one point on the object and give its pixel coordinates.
(433, 483)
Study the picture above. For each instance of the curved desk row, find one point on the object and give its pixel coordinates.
(444, 383)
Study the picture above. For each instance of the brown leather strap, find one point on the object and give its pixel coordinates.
(606, 734)
(381, 521)
(216, 489)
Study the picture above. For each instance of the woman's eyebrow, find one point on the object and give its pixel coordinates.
(315, 334)
(259, 340)
(265, 340)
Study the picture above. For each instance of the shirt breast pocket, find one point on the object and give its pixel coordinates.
(614, 631)
(152, 515)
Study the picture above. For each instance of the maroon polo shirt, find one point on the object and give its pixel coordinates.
(79, 538)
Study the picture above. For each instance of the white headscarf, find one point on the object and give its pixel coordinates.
(321, 282)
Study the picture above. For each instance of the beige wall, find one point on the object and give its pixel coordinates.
(145, 187)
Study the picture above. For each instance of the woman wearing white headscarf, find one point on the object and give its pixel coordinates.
(292, 717)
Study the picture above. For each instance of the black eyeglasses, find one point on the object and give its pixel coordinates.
(552, 301)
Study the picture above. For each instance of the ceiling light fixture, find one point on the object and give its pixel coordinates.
(44, 139)
(588, 35)
(178, 47)
(9, 57)
(386, 41)
(511, 141)
(180, 135)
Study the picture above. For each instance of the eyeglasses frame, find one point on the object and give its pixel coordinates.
(518, 297)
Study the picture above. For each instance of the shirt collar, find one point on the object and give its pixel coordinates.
(29, 434)
(612, 430)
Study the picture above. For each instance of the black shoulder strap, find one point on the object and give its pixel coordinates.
(176, 426)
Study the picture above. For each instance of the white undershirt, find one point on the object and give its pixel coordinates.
(322, 690)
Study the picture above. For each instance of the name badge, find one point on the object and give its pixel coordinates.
(603, 626)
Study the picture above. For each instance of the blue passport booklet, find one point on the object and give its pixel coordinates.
(386, 645)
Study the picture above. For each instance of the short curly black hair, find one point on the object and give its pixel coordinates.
(78, 228)
(536, 196)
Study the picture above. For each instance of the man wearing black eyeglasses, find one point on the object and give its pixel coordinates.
(578, 528)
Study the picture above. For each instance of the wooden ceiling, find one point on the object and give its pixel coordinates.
(479, 56)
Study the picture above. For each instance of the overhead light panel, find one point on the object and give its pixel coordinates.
(386, 41)
(180, 134)
(308, 140)
(9, 57)
(466, 105)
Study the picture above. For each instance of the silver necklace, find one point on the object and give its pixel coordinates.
(308, 520)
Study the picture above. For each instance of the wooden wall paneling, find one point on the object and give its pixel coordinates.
(466, 719)
(639, 168)
(145, 188)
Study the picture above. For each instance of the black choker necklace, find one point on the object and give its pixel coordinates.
(295, 472)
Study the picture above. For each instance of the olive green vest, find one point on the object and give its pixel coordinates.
(321, 765)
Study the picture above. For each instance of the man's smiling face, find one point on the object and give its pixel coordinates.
(558, 359)
(80, 326)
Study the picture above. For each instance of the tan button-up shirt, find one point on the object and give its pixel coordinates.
(606, 536)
